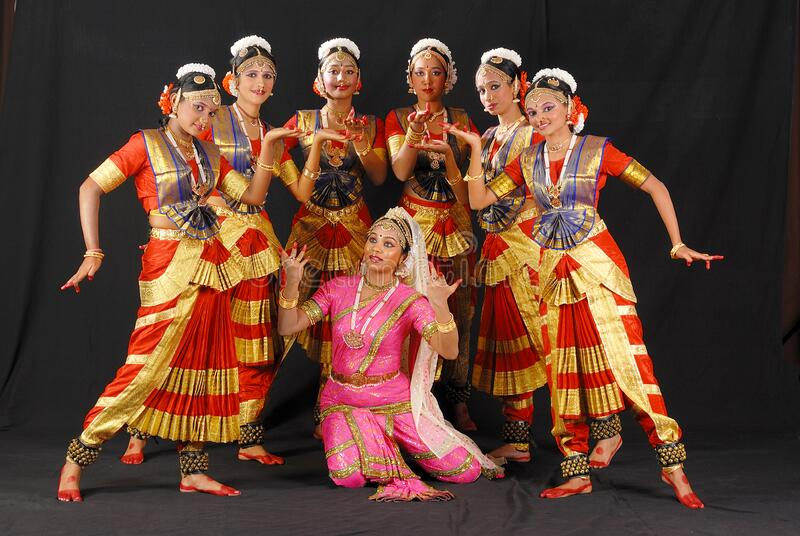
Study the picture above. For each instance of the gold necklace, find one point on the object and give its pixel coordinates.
(378, 288)
(557, 146)
(252, 119)
(502, 130)
(339, 116)
(187, 146)
(434, 115)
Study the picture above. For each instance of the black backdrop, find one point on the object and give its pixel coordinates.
(700, 92)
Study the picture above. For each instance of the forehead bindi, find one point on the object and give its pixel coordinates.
(385, 235)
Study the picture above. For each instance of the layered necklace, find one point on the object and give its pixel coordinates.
(336, 155)
(201, 187)
(355, 339)
(261, 132)
(554, 190)
(436, 159)
(254, 120)
(503, 130)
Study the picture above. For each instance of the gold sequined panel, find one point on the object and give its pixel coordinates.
(431, 220)
(108, 176)
(521, 251)
(596, 268)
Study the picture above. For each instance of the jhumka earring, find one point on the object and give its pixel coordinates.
(363, 268)
(401, 272)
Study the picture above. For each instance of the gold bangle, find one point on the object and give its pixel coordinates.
(470, 178)
(365, 152)
(285, 303)
(448, 326)
(675, 249)
(310, 175)
(413, 137)
(97, 254)
(262, 165)
(455, 181)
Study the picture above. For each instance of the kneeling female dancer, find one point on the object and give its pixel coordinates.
(369, 408)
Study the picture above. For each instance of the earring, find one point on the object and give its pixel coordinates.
(358, 89)
(363, 268)
(515, 100)
(401, 272)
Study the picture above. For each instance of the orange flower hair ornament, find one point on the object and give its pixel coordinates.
(578, 114)
(523, 85)
(164, 101)
(226, 84)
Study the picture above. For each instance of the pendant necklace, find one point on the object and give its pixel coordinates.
(554, 190)
(261, 133)
(200, 188)
(355, 339)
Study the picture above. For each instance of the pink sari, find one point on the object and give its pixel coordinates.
(366, 405)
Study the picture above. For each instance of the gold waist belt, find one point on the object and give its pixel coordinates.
(359, 379)
(526, 214)
(334, 216)
(166, 234)
(442, 212)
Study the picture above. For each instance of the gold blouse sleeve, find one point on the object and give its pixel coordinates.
(108, 176)
(635, 174)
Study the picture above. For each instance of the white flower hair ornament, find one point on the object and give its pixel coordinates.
(561, 74)
(195, 68)
(505, 53)
(250, 41)
(345, 43)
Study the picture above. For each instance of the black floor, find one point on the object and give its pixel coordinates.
(750, 484)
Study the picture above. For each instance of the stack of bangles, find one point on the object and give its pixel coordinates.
(275, 168)
(675, 249)
(285, 303)
(310, 175)
(446, 327)
(365, 152)
(413, 137)
(470, 178)
(95, 253)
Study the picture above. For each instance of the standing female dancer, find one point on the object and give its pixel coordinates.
(179, 380)
(370, 408)
(339, 148)
(510, 360)
(246, 231)
(430, 162)
(599, 363)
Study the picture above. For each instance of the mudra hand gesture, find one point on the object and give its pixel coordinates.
(283, 132)
(432, 144)
(438, 289)
(417, 119)
(86, 270)
(688, 255)
(293, 263)
(329, 134)
(355, 126)
(460, 133)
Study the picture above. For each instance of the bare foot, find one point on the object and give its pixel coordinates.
(604, 452)
(683, 490)
(259, 454)
(463, 421)
(205, 484)
(133, 454)
(574, 486)
(69, 483)
(511, 453)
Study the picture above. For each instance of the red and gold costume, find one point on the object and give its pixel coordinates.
(334, 222)
(180, 378)
(247, 231)
(447, 229)
(599, 364)
(512, 342)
